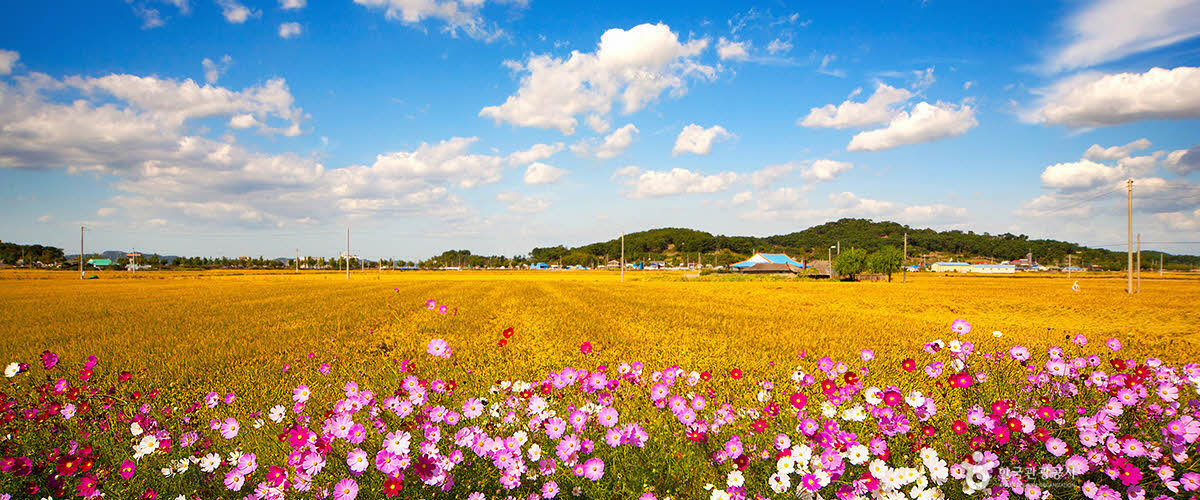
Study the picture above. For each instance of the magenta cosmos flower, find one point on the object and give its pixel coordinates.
(229, 428)
(439, 348)
(585, 348)
(960, 326)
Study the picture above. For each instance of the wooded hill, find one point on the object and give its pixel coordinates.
(814, 242)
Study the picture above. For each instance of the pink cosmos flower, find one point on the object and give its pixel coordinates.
(960, 326)
(49, 359)
(1114, 344)
(438, 348)
(1056, 446)
(345, 489)
(430, 304)
(229, 428)
(585, 348)
(550, 489)
(234, 480)
(866, 354)
(357, 461)
(593, 469)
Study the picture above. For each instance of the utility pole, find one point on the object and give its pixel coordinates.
(1068, 266)
(905, 258)
(297, 261)
(1139, 263)
(1160, 262)
(347, 253)
(1129, 266)
(839, 245)
(80, 252)
(622, 256)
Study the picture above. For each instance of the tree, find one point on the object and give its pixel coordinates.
(850, 263)
(887, 260)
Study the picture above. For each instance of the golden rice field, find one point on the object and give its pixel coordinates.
(227, 325)
(775, 388)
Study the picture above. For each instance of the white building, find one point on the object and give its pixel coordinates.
(994, 268)
(950, 267)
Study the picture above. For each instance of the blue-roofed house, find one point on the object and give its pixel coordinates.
(768, 263)
(950, 267)
(540, 265)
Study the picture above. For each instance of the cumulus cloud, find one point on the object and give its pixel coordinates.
(612, 145)
(784, 203)
(1184, 161)
(632, 67)
(292, 4)
(1080, 175)
(598, 124)
(677, 181)
(458, 15)
(731, 50)
(541, 173)
(537, 152)
(847, 204)
(214, 69)
(290, 30)
(136, 132)
(926, 123)
(1101, 153)
(1097, 100)
(1180, 221)
(824, 170)
(235, 12)
(698, 140)
(8, 59)
(770, 174)
(105, 211)
(522, 204)
(877, 109)
(1110, 30)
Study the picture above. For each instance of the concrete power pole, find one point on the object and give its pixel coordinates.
(80, 252)
(622, 256)
(347, 253)
(1139, 263)
(297, 261)
(905, 258)
(1160, 262)
(1129, 266)
(1068, 266)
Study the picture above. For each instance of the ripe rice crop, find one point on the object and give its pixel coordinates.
(555, 386)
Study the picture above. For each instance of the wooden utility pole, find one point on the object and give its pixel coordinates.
(1139, 263)
(1129, 266)
(297, 261)
(80, 252)
(347, 253)
(905, 258)
(622, 256)
(1068, 266)
(1160, 262)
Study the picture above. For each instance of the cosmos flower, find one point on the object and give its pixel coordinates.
(960, 326)
(438, 348)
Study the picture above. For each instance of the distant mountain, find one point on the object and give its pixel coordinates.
(814, 243)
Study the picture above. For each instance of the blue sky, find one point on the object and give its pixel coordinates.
(238, 127)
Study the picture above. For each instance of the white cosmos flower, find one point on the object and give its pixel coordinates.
(135, 429)
(210, 462)
(872, 395)
(12, 369)
(915, 399)
(735, 479)
(277, 413)
(858, 454)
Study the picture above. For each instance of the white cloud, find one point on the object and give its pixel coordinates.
(1180, 221)
(598, 124)
(8, 59)
(785, 203)
(847, 204)
(243, 121)
(458, 15)
(1110, 30)
(779, 46)
(1184, 161)
(289, 30)
(612, 145)
(878, 109)
(522, 204)
(105, 211)
(537, 152)
(926, 123)
(769, 174)
(45, 218)
(742, 198)
(1101, 153)
(1080, 175)
(677, 181)
(292, 4)
(698, 140)
(235, 12)
(214, 69)
(632, 66)
(541, 173)
(729, 49)
(824, 170)
(447, 161)
(151, 17)
(1096, 100)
